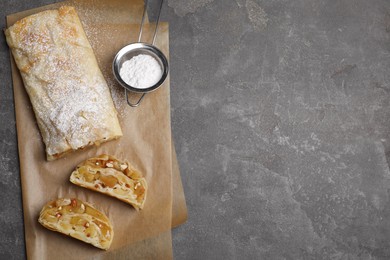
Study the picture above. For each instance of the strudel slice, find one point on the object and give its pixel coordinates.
(108, 175)
(70, 98)
(78, 219)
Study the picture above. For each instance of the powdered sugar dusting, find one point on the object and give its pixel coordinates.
(117, 92)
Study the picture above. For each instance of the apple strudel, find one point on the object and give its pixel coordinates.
(78, 219)
(115, 178)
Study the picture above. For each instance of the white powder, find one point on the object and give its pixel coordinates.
(141, 71)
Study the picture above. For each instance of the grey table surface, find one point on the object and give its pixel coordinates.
(280, 115)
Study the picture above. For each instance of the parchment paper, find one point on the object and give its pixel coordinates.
(146, 143)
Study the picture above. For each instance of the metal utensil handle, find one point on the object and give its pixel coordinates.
(139, 40)
(143, 19)
(135, 104)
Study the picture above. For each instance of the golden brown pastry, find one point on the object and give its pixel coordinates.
(108, 175)
(70, 97)
(78, 219)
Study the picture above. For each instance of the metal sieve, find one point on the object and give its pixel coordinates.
(134, 49)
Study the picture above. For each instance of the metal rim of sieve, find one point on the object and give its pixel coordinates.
(133, 49)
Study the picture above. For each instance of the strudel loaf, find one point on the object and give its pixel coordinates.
(70, 98)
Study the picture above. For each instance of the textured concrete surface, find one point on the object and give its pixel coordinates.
(280, 114)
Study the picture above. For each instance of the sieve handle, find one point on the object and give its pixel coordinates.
(143, 19)
(134, 104)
